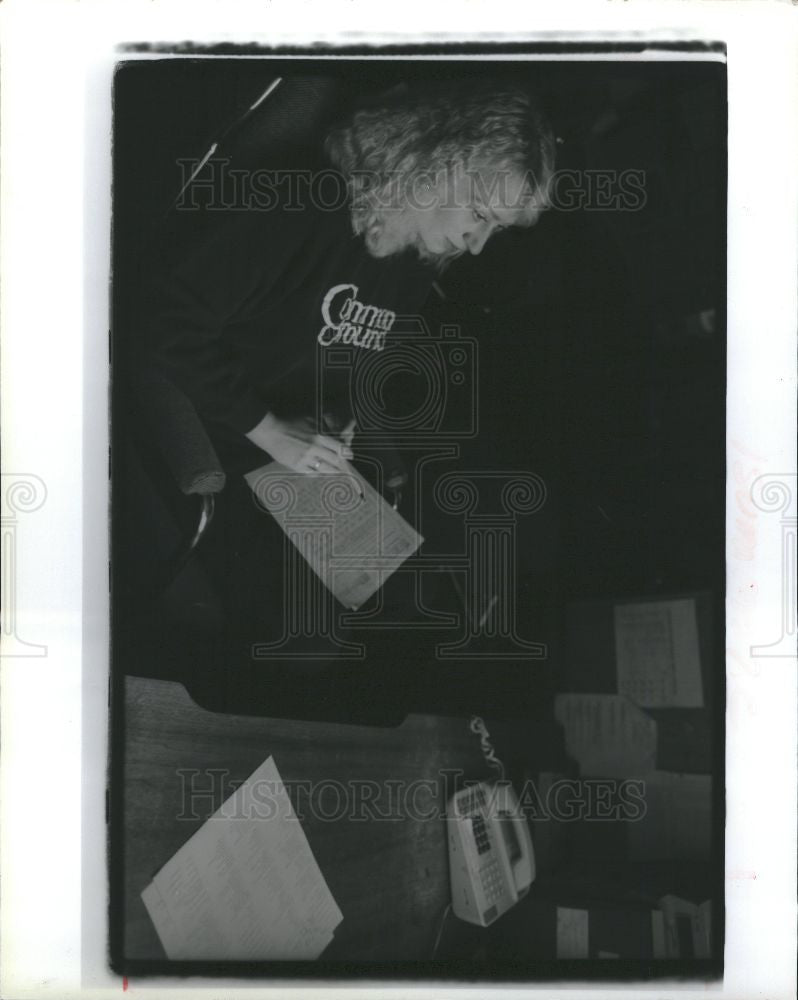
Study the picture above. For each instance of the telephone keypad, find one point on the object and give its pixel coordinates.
(480, 834)
(491, 882)
(471, 804)
(470, 800)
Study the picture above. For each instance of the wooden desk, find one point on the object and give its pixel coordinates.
(389, 876)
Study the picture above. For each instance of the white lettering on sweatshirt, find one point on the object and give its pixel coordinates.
(349, 321)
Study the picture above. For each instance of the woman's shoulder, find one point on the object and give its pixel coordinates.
(253, 206)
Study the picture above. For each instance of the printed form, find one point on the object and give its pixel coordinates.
(246, 885)
(350, 537)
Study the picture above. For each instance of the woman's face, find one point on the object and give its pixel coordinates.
(458, 213)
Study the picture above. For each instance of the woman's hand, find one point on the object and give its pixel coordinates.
(296, 445)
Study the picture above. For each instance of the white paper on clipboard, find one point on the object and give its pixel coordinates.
(349, 536)
(657, 654)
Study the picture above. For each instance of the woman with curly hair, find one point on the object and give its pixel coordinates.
(442, 173)
(239, 303)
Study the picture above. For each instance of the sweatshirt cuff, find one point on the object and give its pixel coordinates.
(247, 413)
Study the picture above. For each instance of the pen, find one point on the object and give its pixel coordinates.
(346, 436)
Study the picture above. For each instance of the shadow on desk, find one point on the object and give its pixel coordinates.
(399, 673)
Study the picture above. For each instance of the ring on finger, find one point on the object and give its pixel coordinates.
(315, 465)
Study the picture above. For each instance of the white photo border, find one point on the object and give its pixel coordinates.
(57, 66)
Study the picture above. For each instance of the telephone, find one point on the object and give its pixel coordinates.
(491, 861)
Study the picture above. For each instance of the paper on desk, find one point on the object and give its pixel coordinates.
(353, 543)
(246, 885)
(657, 655)
(572, 933)
(182, 941)
(677, 820)
(607, 735)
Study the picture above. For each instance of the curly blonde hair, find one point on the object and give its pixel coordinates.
(387, 150)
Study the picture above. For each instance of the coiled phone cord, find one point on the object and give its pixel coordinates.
(478, 727)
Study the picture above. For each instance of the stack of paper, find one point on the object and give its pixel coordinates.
(572, 933)
(246, 885)
(607, 735)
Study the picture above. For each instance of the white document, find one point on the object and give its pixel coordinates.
(350, 537)
(246, 885)
(657, 654)
(572, 933)
(677, 820)
(607, 735)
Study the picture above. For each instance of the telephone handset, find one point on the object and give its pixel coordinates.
(491, 861)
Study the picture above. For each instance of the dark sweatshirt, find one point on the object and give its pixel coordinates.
(253, 311)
